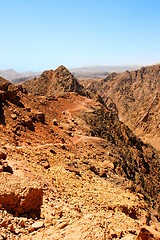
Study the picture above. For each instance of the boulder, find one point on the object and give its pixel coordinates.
(38, 117)
(20, 196)
(12, 91)
(2, 96)
(4, 84)
(3, 155)
(55, 122)
(148, 233)
(14, 116)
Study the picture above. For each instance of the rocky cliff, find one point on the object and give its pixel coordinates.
(136, 96)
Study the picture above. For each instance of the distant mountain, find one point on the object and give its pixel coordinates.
(15, 77)
(83, 72)
(101, 71)
(9, 74)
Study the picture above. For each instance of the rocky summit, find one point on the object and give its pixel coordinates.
(72, 165)
(54, 82)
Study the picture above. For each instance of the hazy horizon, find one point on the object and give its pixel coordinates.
(84, 68)
(81, 67)
(38, 35)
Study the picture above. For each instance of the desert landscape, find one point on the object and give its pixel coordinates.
(80, 161)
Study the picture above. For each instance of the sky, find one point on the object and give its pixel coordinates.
(43, 34)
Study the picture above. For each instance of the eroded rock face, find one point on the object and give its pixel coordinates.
(55, 82)
(18, 196)
(137, 98)
(136, 160)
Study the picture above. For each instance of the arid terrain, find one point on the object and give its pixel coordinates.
(80, 163)
(137, 98)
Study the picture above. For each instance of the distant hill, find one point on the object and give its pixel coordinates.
(15, 77)
(9, 74)
(101, 71)
(83, 72)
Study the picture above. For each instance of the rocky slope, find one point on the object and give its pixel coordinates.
(137, 98)
(54, 82)
(70, 168)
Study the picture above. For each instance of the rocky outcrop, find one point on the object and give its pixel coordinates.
(133, 159)
(136, 95)
(12, 93)
(19, 196)
(55, 82)
(4, 84)
(9, 91)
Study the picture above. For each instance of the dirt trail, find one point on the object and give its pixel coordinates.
(83, 138)
(82, 106)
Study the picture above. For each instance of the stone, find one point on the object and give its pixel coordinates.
(62, 225)
(22, 222)
(14, 116)
(4, 84)
(2, 96)
(48, 220)
(4, 167)
(11, 228)
(148, 233)
(12, 91)
(3, 155)
(5, 164)
(38, 117)
(38, 224)
(1, 168)
(55, 122)
(129, 237)
(73, 169)
(45, 164)
(5, 222)
(53, 151)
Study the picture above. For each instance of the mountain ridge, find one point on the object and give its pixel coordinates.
(92, 71)
(130, 90)
(89, 172)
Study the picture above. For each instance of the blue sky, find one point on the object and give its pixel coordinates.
(43, 34)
